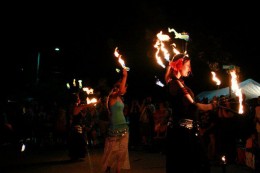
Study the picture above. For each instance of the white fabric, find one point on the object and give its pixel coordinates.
(249, 87)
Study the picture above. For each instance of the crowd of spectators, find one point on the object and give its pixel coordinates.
(224, 131)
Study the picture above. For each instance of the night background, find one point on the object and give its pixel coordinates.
(87, 34)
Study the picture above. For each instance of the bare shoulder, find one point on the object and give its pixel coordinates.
(112, 99)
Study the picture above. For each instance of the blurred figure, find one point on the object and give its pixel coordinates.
(226, 130)
(61, 126)
(103, 120)
(6, 129)
(77, 140)
(161, 115)
(256, 138)
(11, 124)
(147, 121)
(257, 121)
(135, 109)
(92, 126)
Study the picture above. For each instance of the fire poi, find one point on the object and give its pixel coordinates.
(120, 60)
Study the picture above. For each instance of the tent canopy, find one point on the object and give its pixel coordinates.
(249, 87)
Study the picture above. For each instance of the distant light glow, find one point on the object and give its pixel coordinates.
(23, 148)
(158, 82)
(68, 86)
(117, 70)
(80, 83)
(74, 82)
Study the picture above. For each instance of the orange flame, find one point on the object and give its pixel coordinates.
(235, 88)
(215, 79)
(120, 60)
(93, 100)
(160, 46)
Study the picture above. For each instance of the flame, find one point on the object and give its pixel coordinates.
(163, 37)
(175, 51)
(223, 159)
(23, 147)
(88, 90)
(68, 85)
(183, 35)
(120, 60)
(235, 88)
(160, 46)
(80, 83)
(93, 100)
(159, 83)
(74, 82)
(215, 79)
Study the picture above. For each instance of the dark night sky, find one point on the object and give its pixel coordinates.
(87, 35)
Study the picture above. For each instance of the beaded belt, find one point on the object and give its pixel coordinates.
(187, 123)
(78, 128)
(117, 132)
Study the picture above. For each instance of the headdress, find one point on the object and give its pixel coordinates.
(178, 60)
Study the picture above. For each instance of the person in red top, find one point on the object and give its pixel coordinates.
(184, 151)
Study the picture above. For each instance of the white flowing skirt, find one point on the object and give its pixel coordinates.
(116, 152)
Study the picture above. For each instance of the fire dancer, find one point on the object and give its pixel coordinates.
(116, 143)
(184, 150)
